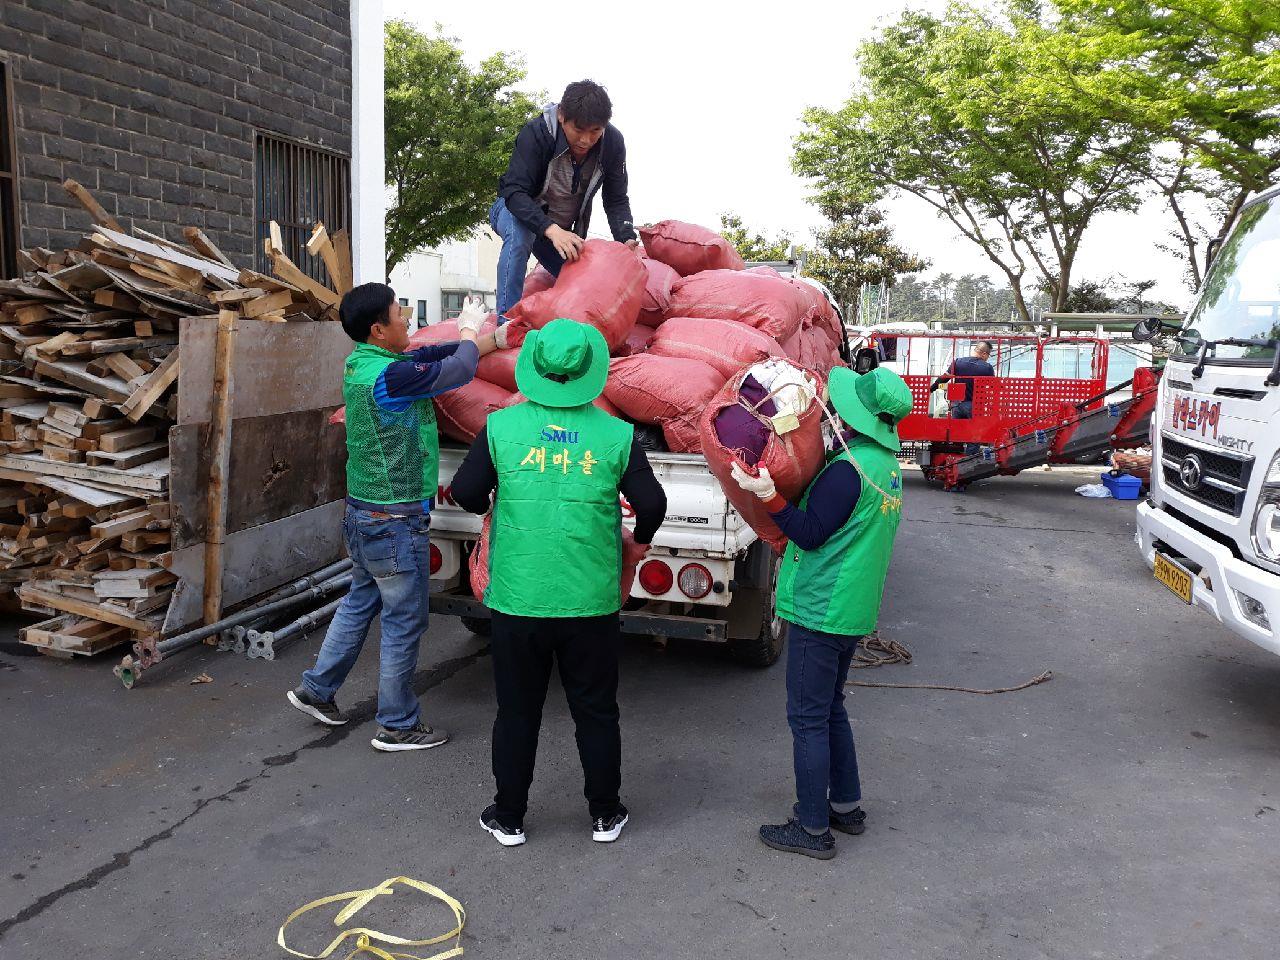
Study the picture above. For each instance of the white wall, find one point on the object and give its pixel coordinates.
(469, 266)
(368, 191)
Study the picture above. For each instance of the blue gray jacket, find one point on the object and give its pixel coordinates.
(539, 142)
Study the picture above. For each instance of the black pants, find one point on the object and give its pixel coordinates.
(586, 652)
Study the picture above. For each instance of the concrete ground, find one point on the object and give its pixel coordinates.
(1127, 808)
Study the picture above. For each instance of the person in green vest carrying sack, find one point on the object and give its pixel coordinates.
(557, 464)
(393, 461)
(830, 585)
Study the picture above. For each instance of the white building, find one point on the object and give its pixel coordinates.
(433, 283)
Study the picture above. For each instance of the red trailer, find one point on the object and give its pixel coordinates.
(1048, 403)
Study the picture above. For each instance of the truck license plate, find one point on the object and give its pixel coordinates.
(1173, 577)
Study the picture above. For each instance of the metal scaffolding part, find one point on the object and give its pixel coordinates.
(129, 670)
(233, 638)
(265, 644)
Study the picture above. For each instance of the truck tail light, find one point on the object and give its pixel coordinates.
(695, 581)
(437, 559)
(656, 577)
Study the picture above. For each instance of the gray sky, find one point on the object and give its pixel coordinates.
(709, 97)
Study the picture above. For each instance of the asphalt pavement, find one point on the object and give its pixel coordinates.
(1129, 807)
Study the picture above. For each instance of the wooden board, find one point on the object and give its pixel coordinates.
(292, 366)
(219, 461)
(280, 465)
(148, 478)
(146, 248)
(257, 560)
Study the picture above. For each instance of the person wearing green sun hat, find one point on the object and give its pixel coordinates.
(830, 587)
(556, 465)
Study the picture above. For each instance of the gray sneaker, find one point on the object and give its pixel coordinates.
(325, 712)
(418, 737)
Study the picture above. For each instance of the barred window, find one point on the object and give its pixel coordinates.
(9, 234)
(296, 186)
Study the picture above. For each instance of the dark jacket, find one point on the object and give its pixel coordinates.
(539, 142)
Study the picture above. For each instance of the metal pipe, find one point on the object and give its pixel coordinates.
(234, 636)
(267, 644)
(184, 640)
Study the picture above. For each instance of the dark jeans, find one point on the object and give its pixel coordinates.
(518, 241)
(964, 411)
(826, 763)
(391, 575)
(586, 652)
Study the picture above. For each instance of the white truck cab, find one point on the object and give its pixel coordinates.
(1210, 529)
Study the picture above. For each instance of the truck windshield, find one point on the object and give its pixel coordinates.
(1241, 295)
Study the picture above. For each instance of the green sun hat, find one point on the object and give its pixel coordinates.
(872, 403)
(565, 364)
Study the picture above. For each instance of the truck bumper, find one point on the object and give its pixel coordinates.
(1229, 576)
(633, 621)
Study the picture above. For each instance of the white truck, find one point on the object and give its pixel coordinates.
(1210, 528)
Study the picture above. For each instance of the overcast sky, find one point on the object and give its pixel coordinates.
(709, 97)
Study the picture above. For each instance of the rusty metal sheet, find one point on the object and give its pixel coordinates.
(280, 465)
(278, 367)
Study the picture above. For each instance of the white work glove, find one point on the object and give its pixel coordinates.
(500, 335)
(762, 486)
(473, 315)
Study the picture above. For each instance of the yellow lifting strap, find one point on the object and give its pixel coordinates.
(364, 937)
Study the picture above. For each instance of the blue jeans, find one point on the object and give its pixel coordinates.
(518, 241)
(826, 762)
(964, 411)
(391, 574)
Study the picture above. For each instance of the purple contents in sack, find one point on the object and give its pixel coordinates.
(739, 429)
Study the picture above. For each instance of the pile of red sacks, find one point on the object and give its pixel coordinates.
(682, 317)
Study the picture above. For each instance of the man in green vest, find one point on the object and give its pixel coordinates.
(393, 461)
(830, 586)
(558, 464)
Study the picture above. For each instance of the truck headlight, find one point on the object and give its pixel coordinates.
(1266, 516)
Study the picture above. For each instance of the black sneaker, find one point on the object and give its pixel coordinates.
(790, 837)
(507, 836)
(325, 712)
(854, 822)
(418, 737)
(608, 829)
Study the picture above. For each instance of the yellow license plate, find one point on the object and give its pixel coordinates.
(1173, 577)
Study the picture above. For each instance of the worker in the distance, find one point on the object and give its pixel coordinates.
(963, 370)
(392, 474)
(829, 590)
(561, 160)
(557, 465)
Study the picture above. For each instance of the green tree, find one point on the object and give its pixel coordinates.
(751, 245)
(449, 133)
(856, 247)
(1198, 78)
(936, 114)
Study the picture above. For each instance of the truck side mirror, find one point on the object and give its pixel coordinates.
(1144, 331)
(865, 360)
(1211, 252)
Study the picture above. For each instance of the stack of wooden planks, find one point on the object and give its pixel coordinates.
(90, 357)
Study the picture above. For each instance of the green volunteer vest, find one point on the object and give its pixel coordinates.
(392, 457)
(837, 588)
(555, 547)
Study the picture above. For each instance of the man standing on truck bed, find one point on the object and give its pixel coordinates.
(557, 464)
(392, 466)
(561, 159)
(830, 586)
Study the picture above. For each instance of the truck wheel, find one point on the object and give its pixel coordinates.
(480, 626)
(764, 648)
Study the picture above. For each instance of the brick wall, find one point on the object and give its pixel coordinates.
(153, 106)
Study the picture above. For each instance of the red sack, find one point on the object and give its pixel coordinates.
(657, 292)
(540, 279)
(688, 248)
(478, 563)
(766, 270)
(604, 287)
(669, 391)
(461, 413)
(726, 345)
(599, 401)
(775, 306)
(793, 460)
(638, 341)
(812, 348)
(499, 367)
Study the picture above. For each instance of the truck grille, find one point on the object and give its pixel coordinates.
(1223, 477)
